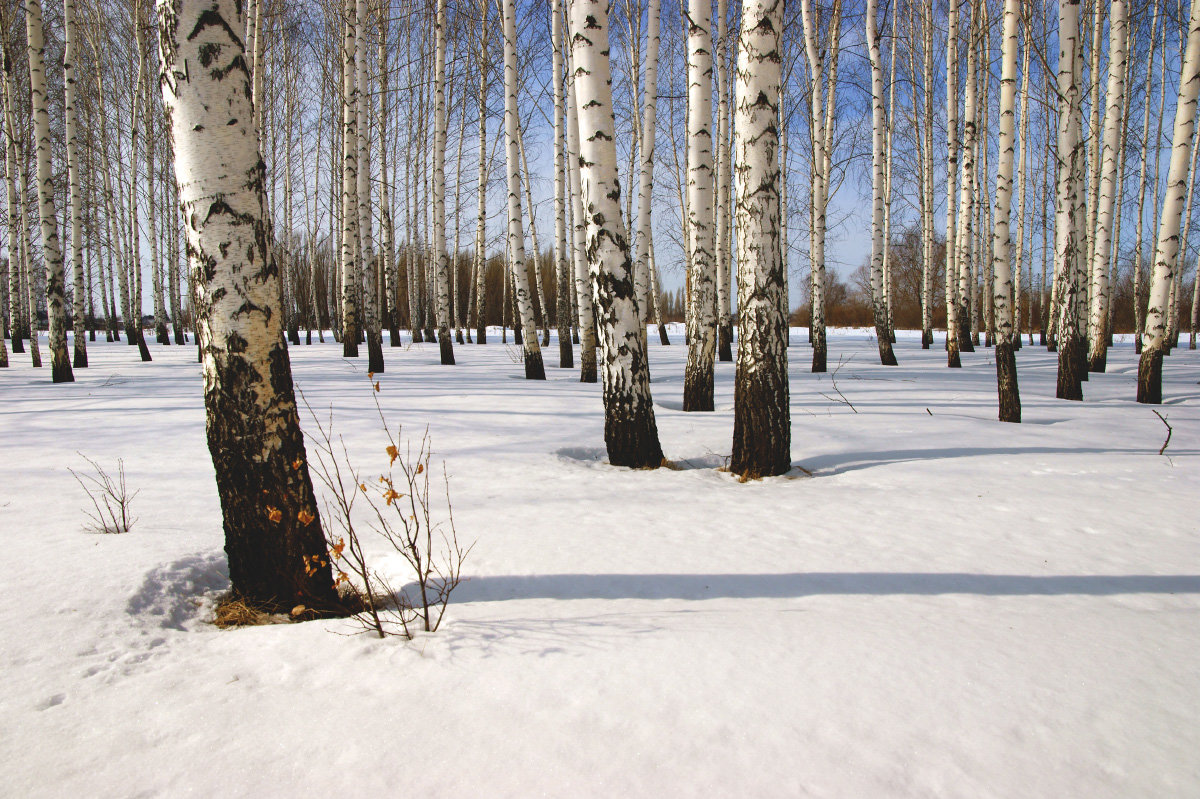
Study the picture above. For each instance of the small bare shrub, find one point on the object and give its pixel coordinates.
(110, 498)
(401, 510)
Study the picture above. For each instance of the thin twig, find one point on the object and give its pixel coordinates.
(1163, 448)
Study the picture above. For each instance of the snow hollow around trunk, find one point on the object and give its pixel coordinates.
(948, 606)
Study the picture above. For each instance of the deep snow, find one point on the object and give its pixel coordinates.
(949, 606)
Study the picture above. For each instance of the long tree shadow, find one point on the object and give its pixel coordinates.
(840, 462)
(501, 588)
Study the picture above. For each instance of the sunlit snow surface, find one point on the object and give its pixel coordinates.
(948, 606)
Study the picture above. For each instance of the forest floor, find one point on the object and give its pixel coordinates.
(931, 604)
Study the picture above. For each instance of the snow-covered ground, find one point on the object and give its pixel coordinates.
(948, 606)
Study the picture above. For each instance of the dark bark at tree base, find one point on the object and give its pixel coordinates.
(698, 387)
(663, 339)
(926, 339)
(446, 347)
(820, 353)
(1098, 359)
(350, 343)
(518, 338)
(725, 342)
(574, 335)
(458, 336)
(534, 368)
(566, 354)
(180, 338)
(1006, 383)
(80, 360)
(887, 356)
(1070, 382)
(481, 335)
(416, 335)
(375, 353)
(143, 350)
(1081, 359)
(631, 436)
(1150, 369)
(546, 337)
(18, 345)
(762, 427)
(953, 355)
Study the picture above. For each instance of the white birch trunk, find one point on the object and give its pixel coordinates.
(72, 132)
(886, 356)
(583, 277)
(702, 268)
(445, 343)
(60, 362)
(1108, 186)
(1167, 250)
(643, 279)
(270, 513)
(761, 416)
(1069, 199)
(953, 146)
(722, 238)
(349, 232)
(630, 432)
(562, 269)
(534, 369)
(1002, 271)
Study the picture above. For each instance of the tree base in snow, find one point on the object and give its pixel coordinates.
(1006, 383)
(1150, 367)
(1070, 379)
(697, 387)
(534, 368)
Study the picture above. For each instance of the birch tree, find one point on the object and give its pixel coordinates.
(72, 133)
(1109, 187)
(534, 369)
(1002, 271)
(630, 431)
(953, 147)
(445, 343)
(878, 155)
(60, 362)
(1154, 336)
(273, 534)
(1068, 204)
(566, 355)
(584, 282)
(349, 232)
(701, 319)
(645, 232)
(761, 417)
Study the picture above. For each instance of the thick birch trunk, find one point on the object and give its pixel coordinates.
(481, 184)
(1108, 186)
(1002, 272)
(702, 269)
(534, 369)
(367, 279)
(272, 532)
(60, 362)
(761, 416)
(630, 432)
(1167, 250)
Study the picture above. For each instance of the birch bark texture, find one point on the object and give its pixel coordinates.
(445, 343)
(350, 329)
(761, 415)
(1002, 284)
(698, 377)
(534, 369)
(1113, 124)
(72, 132)
(1166, 252)
(60, 363)
(953, 356)
(630, 431)
(1068, 200)
(562, 269)
(271, 520)
(887, 356)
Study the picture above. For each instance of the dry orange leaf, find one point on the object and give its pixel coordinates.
(274, 514)
(304, 517)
